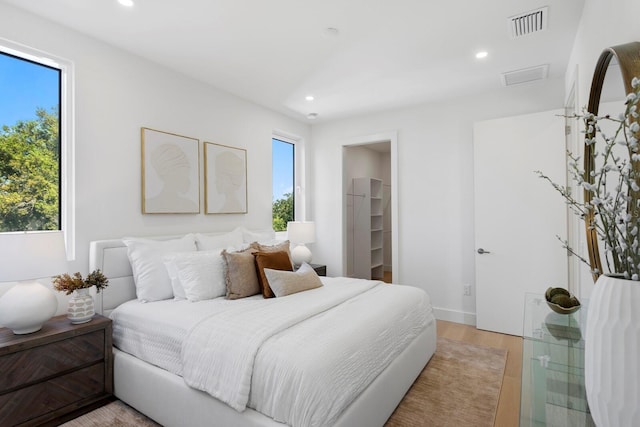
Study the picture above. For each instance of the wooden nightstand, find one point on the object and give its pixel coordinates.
(320, 269)
(55, 374)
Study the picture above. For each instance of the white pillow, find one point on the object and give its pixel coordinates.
(146, 258)
(199, 275)
(213, 242)
(262, 236)
(284, 283)
(172, 270)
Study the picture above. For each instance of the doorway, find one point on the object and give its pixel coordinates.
(371, 157)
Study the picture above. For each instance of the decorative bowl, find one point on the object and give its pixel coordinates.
(557, 307)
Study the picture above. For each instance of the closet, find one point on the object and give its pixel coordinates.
(368, 252)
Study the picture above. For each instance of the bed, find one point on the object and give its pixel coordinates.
(153, 381)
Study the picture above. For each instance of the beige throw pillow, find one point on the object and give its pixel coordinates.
(241, 277)
(284, 283)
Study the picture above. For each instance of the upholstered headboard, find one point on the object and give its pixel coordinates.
(110, 256)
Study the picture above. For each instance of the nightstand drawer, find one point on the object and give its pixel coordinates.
(43, 398)
(38, 363)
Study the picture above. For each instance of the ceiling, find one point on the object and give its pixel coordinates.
(386, 54)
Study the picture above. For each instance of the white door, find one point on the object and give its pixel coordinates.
(517, 215)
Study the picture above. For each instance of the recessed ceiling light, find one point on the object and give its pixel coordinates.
(312, 116)
(482, 54)
(309, 98)
(128, 3)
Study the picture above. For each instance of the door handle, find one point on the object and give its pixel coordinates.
(482, 251)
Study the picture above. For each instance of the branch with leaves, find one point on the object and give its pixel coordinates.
(68, 284)
(612, 203)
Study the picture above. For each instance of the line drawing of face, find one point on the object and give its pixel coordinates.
(173, 168)
(230, 177)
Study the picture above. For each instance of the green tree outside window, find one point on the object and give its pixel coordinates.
(30, 174)
(282, 212)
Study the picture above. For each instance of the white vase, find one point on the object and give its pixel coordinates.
(612, 353)
(81, 308)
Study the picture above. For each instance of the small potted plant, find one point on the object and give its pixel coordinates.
(81, 308)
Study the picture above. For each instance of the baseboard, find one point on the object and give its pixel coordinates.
(455, 316)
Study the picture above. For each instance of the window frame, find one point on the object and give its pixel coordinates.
(66, 132)
(293, 176)
(299, 196)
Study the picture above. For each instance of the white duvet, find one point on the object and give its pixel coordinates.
(303, 358)
(300, 359)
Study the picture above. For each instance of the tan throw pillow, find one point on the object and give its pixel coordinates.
(284, 283)
(278, 247)
(241, 277)
(275, 261)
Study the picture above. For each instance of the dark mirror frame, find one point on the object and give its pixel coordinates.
(628, 57)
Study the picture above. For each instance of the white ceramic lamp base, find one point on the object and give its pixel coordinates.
(26, 306)
(300, 254)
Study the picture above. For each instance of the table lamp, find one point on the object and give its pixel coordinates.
(25, 257)
(301, 232)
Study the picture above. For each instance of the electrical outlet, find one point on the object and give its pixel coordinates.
(467, 290)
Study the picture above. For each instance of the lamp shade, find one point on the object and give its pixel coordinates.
(301, 231)
(24, 257)
(31, 255)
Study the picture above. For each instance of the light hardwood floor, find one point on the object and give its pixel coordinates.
(508, 414)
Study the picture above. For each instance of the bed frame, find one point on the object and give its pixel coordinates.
(166, 398)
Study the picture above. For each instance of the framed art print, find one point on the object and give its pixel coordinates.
(170, 173)
(225, 181)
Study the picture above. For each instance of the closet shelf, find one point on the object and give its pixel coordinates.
(368, 229)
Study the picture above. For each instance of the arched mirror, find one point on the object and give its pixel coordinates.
(615, 69)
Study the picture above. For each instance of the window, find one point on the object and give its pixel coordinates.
(29, 145)
(283, 159)
(36, 128)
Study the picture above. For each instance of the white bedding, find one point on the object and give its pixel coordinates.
(299, 372)
(154, 331)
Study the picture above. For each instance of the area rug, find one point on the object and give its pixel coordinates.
(115, 414)
(459, 387)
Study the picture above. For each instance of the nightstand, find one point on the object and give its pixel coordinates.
(54, 375)
(320, 269)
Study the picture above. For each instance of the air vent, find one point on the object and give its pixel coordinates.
(525, 75)
(529, 22)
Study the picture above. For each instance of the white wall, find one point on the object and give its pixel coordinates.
(435, 186)
(116, 94)
(360, 161)
(604, 23)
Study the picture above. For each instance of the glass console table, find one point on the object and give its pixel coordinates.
(553, 391)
